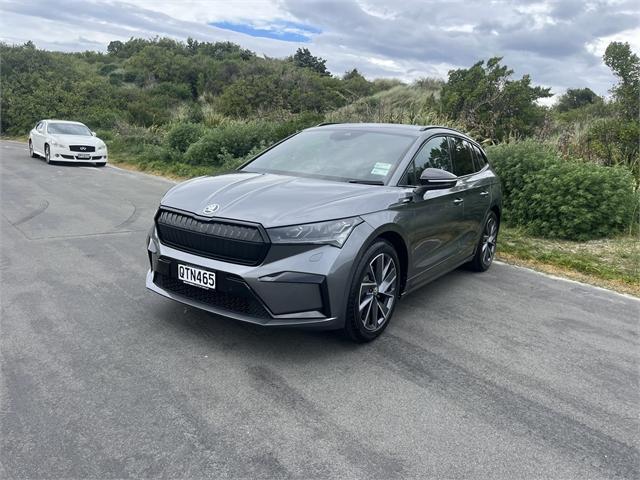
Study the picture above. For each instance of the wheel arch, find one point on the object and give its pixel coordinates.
(392, 234)
(398, 243)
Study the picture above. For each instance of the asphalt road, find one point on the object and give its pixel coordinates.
(508, 374)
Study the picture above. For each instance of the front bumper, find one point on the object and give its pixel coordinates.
(298, 285)
(60, 154)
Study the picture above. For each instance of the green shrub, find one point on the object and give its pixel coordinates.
(576, 200)
(157, 153)
(182, 135)
(236, 139)
(552, 197)
(106, 69)
(115, 78)
(194, 113)
(513, 161)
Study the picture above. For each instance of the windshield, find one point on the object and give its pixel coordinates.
(336, 154)
(68, 129)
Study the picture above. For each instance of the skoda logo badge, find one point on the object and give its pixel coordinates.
(211, 209)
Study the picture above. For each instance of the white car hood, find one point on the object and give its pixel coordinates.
(89, 140)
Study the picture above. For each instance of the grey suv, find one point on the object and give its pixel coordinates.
(329, 227)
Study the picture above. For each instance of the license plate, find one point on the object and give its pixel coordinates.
(197, 277)
(83, 155)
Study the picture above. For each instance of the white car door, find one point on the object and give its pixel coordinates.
(38, 138)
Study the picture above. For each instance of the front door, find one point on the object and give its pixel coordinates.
(436, 216)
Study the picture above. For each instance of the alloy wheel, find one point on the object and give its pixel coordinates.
(489, 238)
(377, 292)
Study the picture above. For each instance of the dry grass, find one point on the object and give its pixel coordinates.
(611, 263)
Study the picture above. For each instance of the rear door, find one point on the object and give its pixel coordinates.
(437, 215)
(475, 191)
(38, 138)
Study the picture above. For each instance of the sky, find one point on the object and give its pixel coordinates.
(559, 43)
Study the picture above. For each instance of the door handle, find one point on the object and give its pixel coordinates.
(458, 201)
(484, 193)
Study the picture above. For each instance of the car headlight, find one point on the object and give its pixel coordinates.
(56, 144)
(102, 147)
(333, 232)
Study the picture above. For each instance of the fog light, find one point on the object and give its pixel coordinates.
(57, 155)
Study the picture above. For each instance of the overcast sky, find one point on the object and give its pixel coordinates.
(559, 43)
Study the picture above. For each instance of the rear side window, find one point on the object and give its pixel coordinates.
(461, 157)
(481, 160)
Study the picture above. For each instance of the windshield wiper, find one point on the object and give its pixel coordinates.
(368, 182)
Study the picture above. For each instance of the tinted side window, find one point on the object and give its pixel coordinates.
(481, 161)
(433, 154)
(461, 157)
(40, 126)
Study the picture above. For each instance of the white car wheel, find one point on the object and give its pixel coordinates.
(47, 154)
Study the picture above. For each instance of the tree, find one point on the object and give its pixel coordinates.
(626, 66)
(304, 59)
(576, 98)
(488, 102)
(115, 47)
(355, 85)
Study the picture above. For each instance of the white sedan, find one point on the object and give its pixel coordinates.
(64, 141)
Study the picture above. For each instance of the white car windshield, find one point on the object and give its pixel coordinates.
(68, 129)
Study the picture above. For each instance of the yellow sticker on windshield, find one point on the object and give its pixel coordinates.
(381, 168)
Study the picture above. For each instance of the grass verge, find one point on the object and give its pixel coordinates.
(612, 263)
(174, 171)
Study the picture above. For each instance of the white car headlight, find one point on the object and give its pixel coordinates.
(56, 144)
(333, 232)
(102, 147)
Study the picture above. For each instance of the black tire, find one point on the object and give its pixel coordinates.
(47, 154)
(486, 248)
(362, 325)
(100, 164)
(32, 154)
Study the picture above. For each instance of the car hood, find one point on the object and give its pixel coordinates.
(78, 140)
(278, 200)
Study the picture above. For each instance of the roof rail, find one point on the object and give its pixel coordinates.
(428, 127)
(327, 123)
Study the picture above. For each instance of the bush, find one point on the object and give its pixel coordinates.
(156, 153)
(182, 135)
(569, 199)
(236, 139)
(513, 161)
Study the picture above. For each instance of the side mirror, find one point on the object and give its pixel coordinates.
(436, 179)
(93, 133)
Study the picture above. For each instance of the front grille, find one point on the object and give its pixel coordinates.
(82, 148)
(227, 241)
(247, 305)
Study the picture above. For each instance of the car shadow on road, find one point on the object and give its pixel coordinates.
(219, 332)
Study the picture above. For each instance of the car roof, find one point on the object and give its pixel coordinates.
(61, 121)
(415, 130)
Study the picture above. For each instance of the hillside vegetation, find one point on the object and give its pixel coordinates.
(570, 171)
